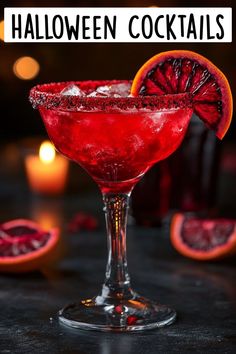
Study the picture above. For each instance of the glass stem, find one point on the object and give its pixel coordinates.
(117, 280)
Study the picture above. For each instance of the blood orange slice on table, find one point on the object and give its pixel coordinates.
(25, 246)
(203, 239)
(181, 71)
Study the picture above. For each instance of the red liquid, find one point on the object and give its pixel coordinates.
(116, 148)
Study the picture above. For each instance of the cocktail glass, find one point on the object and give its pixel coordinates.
(116, 140)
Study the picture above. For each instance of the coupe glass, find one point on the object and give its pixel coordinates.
(116, 140)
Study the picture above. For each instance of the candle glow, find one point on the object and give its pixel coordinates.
(46, 171)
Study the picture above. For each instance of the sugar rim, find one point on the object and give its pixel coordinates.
(48, 96)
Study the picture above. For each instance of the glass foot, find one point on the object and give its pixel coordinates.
(135, 314)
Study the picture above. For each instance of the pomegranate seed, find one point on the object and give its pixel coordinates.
(131, 320)
(119, 309)
(82, 221)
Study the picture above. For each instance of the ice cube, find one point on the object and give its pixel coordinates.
(101, 91)
(97, 94)
(115, 90)
(120, 90)
(72, 90)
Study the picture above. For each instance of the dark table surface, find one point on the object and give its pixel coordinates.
(203, 294)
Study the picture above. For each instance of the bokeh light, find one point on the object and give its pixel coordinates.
(26, 68)
(2, 30)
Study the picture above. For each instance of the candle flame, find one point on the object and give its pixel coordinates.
(47, 152)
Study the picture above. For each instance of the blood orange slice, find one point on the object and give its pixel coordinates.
(25, 246)
(185, 71)
(203, 239)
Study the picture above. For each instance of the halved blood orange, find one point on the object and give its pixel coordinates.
(203, 239)
(25, 246)
(185, 71)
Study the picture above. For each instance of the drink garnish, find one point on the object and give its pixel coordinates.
(179, 71)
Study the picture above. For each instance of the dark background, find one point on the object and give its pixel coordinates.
(61, 62)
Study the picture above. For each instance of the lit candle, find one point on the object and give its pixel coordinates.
(47, 172)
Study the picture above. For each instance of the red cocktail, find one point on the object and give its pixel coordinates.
(116, 138)
(117, 146)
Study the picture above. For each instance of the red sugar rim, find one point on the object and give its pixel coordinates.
(48, 96)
